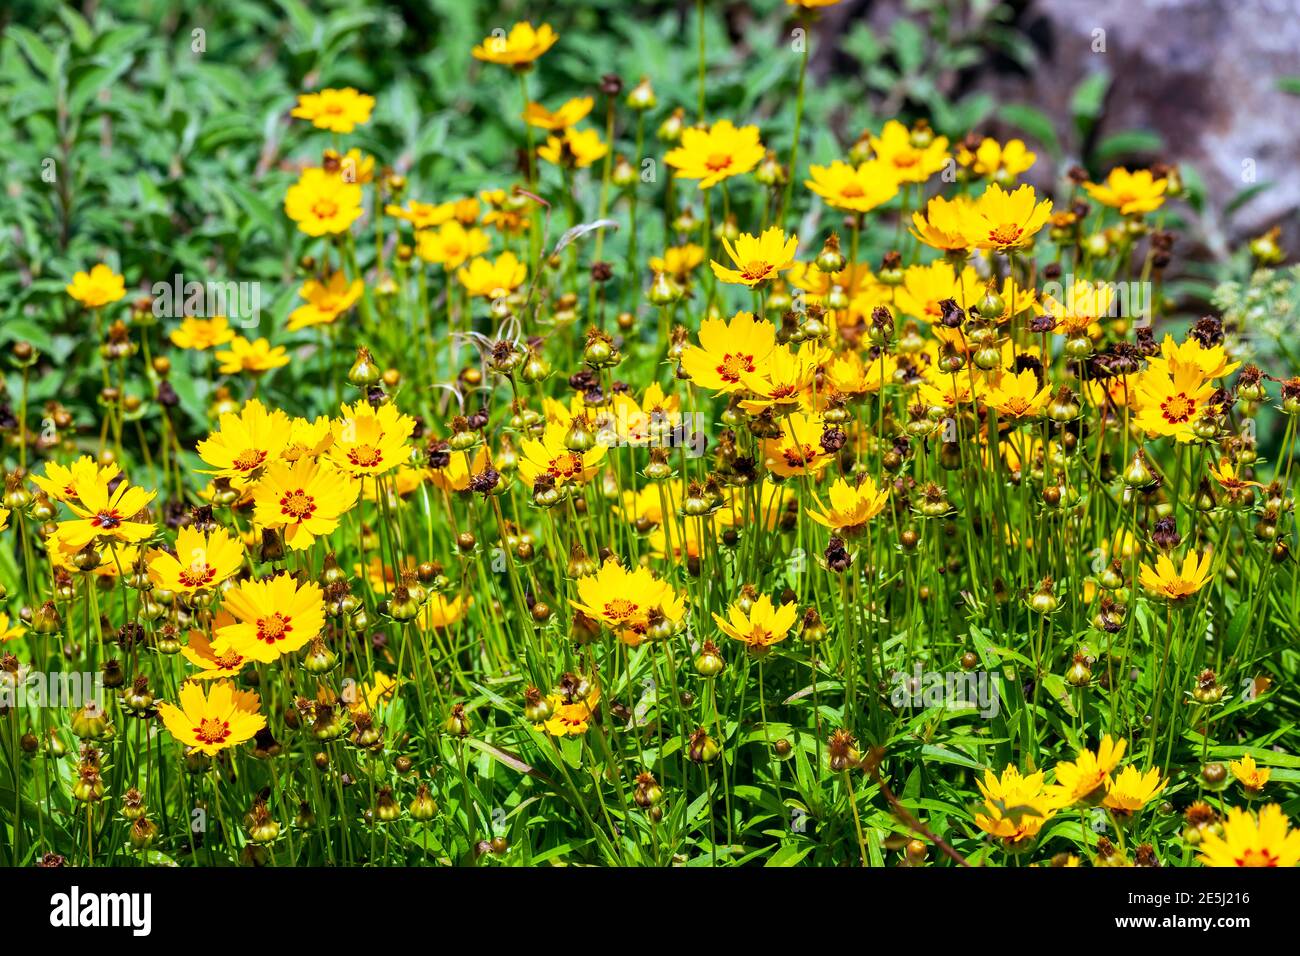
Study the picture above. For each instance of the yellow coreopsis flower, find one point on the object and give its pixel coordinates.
(1131, 789)
(10, 629)
(212, 665)
(574, 149)
(678, 262)
(1132, 193)
(1085, 777)
(450, 246)
(941, 225)
(440, 611)
(323, 203)
(273, 616)
(799, 450)
(308, 439)
(1266, 840)
(1249, 775)
(570, 114)
(201, 334)
(852, 378)
(1015, 807)
(60, 483)
(104, 515)
(1084, 302)
(997, 161)
(244, 442)
(1017, 397)
(717, 153)
(326, 301)
(570, 713)
(201, 561)
(1211, 362)
(99, 287)
(786, 379)
(370, 441)
(628, 602)
(422, 215)
(493, 279)
(1173, 583)
(460, 467)
(728, 350)
(551, 457)
(760, 258)
(257, 356)
(339, 111)
(305, 498)
(851, 506)
(910, 164)
(209, 723)
(854, 188)
(518, 49)
(1003, 221)
(762, 627)
(1171, 401)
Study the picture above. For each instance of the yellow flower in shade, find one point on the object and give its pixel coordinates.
(10, 630)
(1266, 840)
(1209, 362)
(273, 616)
(762, 627)
(519, 48)
(104, 515)
(223, 717)
(851, 506)
(1131, 789)
(201, 334)
(941, 226)
(854, 189)
(550, 456)
(729, 350)
(60, 483)
(760, 258)
(1017, 397)
(1170, 402)
(1251, 777)
(99, 287)
(1084, 303)
(201, 561)
(450, 246)
(305, 498)
(326, 301)
(212, 665)
(1002, 221)
(339, 111)
(909, 163)
(1172, 583)
(370, 441)
(997, 161)
(1131, 193)
(423, 215)
(308, 439)
(799, 450)
(371, 696)
(256, 357)
(628, 602)
(440, 611)
(678, 262)
(493, 279)
(717, 153)
(570, 114)
(323, 203)
(244, 443)
(460, 467)
(1015, 807)
(571, 712)
(1085, 777)
(575, 149)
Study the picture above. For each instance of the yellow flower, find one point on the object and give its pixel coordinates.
(1173, 583)
(243, 443)
(1015, 807)
(628, 602)
(1171, 401)
(852, 378)
(212, 665)
(941, 226)
(305, 498)
(326, 301)
(678, 262)
(60, 483)
(101, 286)
(370, 441)
(1250, 776)
(493, 280)
(728, 350)
(423, 215)
(440, 612)
(10, 630)
(811, 4)
(1084, 777)
(570, 114)
(257, 356)
(200, 334)
(339, 111)
(760, 258)
(1228, 475)
(519, 48)
(1209, 362)
(910, 164)
(851, 507)
(762, 627)
(105, 515)
(551, 457)
(1131, 789)
(925, 287)
(323, 203)
(1018, 396)
(1249, 841)
(451, 246)
(854, 189)
(575, 149)
(571, 713)
(1002, 221)
(460, 467)
(799, 450)
(995, 161)
(209, 723)
(308, 439)
(717, 153)
(786, 380)
(353, 166)
(201, 561)
(1084, 303)
(273, 616)
(1131, 193)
